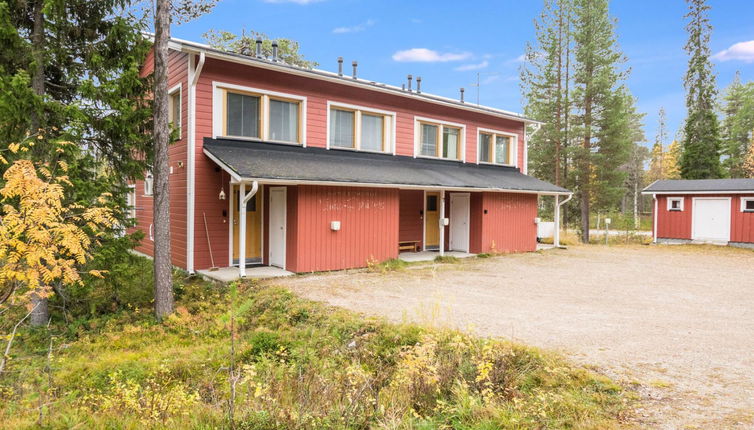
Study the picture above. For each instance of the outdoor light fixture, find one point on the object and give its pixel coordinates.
(222, 194)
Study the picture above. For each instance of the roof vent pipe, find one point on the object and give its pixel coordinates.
(355, 67)
(409, 82)
(403, 87)
(462, 90)
(274, 51)
(259, 47)
(340, 66)
(418, 84)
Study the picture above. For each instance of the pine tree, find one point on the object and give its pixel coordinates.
(603, 108)
(701, 145)
(737, 125)
(658, 149)
(748, 165)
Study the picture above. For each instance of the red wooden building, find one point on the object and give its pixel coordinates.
(708, 211)
(309, 170)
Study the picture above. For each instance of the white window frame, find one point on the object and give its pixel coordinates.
(148, 183)
(675, 199)
(389, 132)
(441, 124)
(171, 92)
(494, 133)
(217, 112)
(131, 201)
(743, 204)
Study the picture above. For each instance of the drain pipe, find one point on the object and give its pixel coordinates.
(654, 220)
(556, 233)
(244, 199)
(194, 73)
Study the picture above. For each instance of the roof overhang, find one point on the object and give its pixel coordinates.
(686, 192)
(197, 48)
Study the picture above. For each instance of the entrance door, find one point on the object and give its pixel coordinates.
(253, 227)
(711, 217)
(432, 221)
(277, 226)
(459, 222)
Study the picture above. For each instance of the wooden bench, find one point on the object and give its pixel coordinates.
(408, 245)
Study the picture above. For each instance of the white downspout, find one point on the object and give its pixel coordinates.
(243, 199)
(654, 220)
(442, 223)
(556, 233)
(191, 159)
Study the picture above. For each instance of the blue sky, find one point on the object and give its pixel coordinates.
(448, 42)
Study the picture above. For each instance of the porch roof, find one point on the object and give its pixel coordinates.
(270, 162)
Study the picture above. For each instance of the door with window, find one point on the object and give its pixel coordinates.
(432, 221)
(253, 227)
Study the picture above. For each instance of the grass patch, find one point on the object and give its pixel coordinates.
(391, 265)
(298, 365)
(449, 259)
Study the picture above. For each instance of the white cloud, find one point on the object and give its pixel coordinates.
(520, 59)
(469, 67)
(490, 79)
(304, 2)
(354, 28)
(742, 51)
(424, 55)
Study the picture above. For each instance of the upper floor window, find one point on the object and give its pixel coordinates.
(497, 147)
(675, 203)
(174, 109)
(440, 139)
(258, 114)
(358, 128)
(747, 204)
(148, 184)
(131, 201)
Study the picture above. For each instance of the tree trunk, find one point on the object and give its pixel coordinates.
(41, 313)
(163, 281)
(585, 173)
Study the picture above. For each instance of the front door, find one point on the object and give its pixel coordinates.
(253, 227)
(277, 226)
(711, 219)
(432, 221)
(459, 222)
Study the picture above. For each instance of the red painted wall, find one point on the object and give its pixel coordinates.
(369, 227)
(411, 223)
(677, 224)
(508, 225)
(178, 69)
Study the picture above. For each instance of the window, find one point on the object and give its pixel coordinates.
(174, 110)
(342, 126)
(497, 147)
(372, 132)
(242, 115)
(747, 204)
(131, 201)
(675, 204)
(148, 184)
(248, 113)
(432, 203)
(283, 121)
(439, 139)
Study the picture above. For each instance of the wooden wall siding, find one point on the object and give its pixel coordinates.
(742, 223)
(319, 92)
(475, 223)
(674, 224)
(369, 227)
(178, 70)
(208, 183)
(677, 225)
(411, 222)
(509, 224)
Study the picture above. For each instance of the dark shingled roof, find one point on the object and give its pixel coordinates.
(701, 185)
(262, 160)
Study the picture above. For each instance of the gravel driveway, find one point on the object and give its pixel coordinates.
(676, 323)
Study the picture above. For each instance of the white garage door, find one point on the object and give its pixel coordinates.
(711, 219)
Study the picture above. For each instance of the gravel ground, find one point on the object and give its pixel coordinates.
(675, 323)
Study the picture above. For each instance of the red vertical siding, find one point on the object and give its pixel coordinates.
(742, 223)
(673, 224)
(412, 216)
(475, 223)
(177, 156)
(369, 227)
(508, 225)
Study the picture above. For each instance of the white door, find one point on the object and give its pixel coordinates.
(277, 226)
(459, 222)
(711, 219)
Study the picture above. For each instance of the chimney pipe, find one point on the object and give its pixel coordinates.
(462, 90)
(403, 87)
(274, 51)
(409, 82)
(418, 84)
(259, 47)
(355, 66)
(340, 66)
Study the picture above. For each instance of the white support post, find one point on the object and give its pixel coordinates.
(556, 232)
(442, 222)
(654, 220)
(242, 230)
